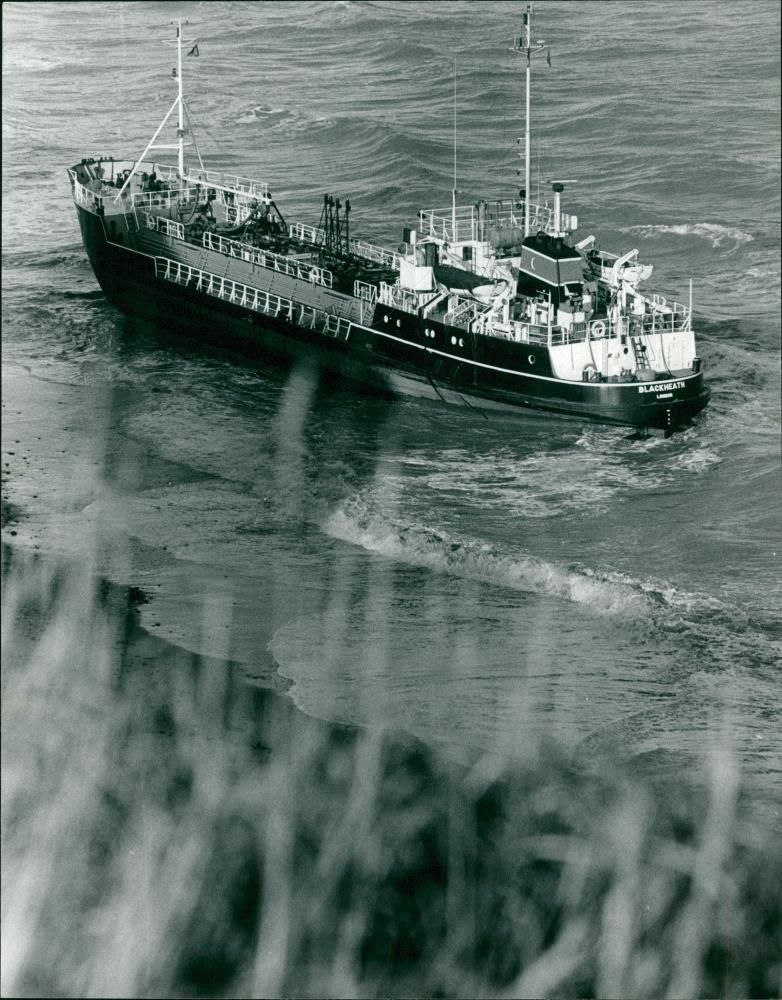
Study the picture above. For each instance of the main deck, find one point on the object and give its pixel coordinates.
(164, 214)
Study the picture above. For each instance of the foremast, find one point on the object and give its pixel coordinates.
(179, 106)
(180, 132)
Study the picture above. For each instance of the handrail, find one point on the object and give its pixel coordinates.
(363, 290)
(161, 224)
(670, 322)
(257, 299)
(439, 222)
(264, 258)
(399, 298)
(461, 308)
(82, 194)
(369, 251)
(231, 182)
(222, 287)
(337, 326)
(163, 198)
(216, 178)
(303, 232)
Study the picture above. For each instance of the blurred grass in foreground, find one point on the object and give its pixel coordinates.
(170, 832)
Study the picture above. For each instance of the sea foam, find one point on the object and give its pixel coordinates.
(712, 231)
(475, 560)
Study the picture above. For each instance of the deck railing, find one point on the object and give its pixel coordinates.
(380, 255)
(276, 262)
(461, 313)
(678, 319)
(257, 299)
(83, 196)
(166, 198)
(399, 298)
(215, 178)
(369, 251)
(473, 222)
(235, 214)
(673, 321)
(363, 290)
(160, 224)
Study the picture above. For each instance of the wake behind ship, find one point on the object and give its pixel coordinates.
(489, 305)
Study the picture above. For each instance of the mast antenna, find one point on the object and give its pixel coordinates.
(524, 44)
(179, 104)
(180, 132)
(527, 22)
(453, 193)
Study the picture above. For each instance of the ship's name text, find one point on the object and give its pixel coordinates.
(660, 386)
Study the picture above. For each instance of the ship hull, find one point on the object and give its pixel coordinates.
(396, 353)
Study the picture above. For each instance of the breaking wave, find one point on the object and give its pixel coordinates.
(716, 234)
(283, 119)
(480, 561)
(19, 59)
(712, 626)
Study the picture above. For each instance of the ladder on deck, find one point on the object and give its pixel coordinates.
(639, 348)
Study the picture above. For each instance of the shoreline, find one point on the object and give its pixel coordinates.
(235, 841)
(122, 604)
(174, 827)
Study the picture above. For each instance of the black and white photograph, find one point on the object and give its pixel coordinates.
(391, 499)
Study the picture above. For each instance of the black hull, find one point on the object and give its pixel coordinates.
(392, 355)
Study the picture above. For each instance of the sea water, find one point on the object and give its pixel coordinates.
(482, 583)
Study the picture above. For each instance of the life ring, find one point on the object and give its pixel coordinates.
(597, 328)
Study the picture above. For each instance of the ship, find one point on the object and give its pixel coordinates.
(491, 305)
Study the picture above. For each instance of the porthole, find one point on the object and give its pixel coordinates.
(453, 340)
(385, 319)
(461, 342)
(399, 322)
(531, 358)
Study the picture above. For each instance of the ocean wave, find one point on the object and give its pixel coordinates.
(584, 478)
(476, 560)
(283, 118)
(715, 233)
(71, 256)
(697, 460)
(17, 59)
(718, 630)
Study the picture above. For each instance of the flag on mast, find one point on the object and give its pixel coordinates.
(194, 51)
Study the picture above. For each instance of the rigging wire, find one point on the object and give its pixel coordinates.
(192, 132)
(454, 125)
